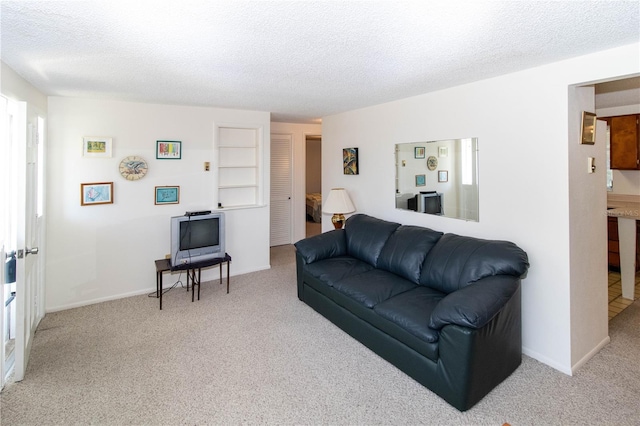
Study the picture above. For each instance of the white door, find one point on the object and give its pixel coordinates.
(25, 220)
(281, 181)
(6, 345)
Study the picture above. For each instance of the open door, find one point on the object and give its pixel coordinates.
(22, 229)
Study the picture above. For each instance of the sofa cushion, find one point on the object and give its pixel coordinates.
(330, 271)
(373, 287)
(366, 235)
(406, 249)
(457, 261)
(411, 311)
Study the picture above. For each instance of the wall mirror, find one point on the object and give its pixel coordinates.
(438, 177)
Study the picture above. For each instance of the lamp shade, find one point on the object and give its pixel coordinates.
(338, 202)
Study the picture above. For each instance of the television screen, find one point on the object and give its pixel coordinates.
(432, 205)
(199, 233)
(430, 202)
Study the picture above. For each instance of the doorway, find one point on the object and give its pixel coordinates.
(313, 185)
(618, 98)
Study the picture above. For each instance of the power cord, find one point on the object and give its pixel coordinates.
(164, 291)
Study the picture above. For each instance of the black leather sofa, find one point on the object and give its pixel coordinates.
(445, 309)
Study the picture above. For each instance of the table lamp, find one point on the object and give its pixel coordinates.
(338, 203)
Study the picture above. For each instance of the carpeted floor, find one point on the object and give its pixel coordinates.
(260, 356)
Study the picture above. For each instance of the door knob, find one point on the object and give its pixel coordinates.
(27, 251)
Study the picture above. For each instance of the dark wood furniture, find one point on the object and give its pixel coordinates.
(164, 265)
(624, 137)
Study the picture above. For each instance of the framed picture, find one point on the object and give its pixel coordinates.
(96, 193)
(443, 151)
(167, 195)
(418, 152)
(443, 175)
(350, 161)
(421, 180)
(96, 147)
(588, 128)
(168, 150)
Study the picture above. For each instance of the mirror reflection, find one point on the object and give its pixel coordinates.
(438, 177)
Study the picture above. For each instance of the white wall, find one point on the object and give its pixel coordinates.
(587, 233)
(103, 252)
(522, 124)
(298, 133)
(17, 88)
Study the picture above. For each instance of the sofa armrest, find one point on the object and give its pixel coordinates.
(322, 246)
(475, 305)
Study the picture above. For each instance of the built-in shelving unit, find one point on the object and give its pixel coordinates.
(239, 159)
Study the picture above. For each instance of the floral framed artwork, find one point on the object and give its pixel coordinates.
(350, 161)
(167, 195)
(443, 175)
(96, 193)
(418, 152)
(96, 147)
(168, 150)
(421, 180)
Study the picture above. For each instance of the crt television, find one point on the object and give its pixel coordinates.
(430, 202)
(197, 238)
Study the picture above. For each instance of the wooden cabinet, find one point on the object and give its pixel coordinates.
(614, 246)
(624, 134)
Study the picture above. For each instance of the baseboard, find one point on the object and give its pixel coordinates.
(569, 371)
(546, 360)
(136, 293)
(99, 300)
(590, 354)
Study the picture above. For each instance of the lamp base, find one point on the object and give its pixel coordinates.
(338, 220)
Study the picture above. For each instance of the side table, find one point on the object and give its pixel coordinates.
(164, 265)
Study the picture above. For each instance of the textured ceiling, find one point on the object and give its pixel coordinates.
(300, 60)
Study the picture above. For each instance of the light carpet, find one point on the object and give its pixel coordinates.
(260, 356)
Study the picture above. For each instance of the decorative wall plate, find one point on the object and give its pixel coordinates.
(133, 167)
(432, 163)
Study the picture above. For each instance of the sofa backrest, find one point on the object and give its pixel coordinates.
(457, 261)
(406, 249)
(366, 236)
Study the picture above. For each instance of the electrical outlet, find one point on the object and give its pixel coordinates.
(167, 256)
(207, 166)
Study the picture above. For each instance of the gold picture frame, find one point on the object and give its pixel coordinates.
(588, 133)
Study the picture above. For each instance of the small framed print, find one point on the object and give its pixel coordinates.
(168, 150)
(350, 161)
(96, 193)
(419, 152)
(588, 133)
(443, 151)
(167, 195)
(421, 180)
(443, 175)
(96, 147)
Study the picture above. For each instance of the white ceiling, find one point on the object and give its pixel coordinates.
(300, 60)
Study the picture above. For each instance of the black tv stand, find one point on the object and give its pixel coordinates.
(164, 265)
